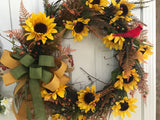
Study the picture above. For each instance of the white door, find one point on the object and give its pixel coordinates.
(90, 48)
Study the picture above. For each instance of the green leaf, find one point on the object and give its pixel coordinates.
(136, 42)
(39, 108)
(17, 55)
(121, 93)
(115, 73)
(2, 109)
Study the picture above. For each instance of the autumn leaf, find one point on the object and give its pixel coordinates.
(17, 33)
(65, 51)
(24, 14)
(143, 87)
(129, 60)
(121, 55)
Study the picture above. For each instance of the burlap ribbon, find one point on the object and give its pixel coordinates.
(51, 80)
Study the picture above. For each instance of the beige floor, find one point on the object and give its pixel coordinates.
(158, 59)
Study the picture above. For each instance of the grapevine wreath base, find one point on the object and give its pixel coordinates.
(41, 64)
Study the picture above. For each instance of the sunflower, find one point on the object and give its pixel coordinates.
(40, 27)
(123, 106)
(123, 10)
(87, 99)
(46, 94)
(97, 4)
(58, 117)
(145, 50)
(78, 27)
(113, 42)
(127, 83)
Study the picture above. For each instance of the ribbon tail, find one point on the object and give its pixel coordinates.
(18, 87)
(39, 108)
(29, 117)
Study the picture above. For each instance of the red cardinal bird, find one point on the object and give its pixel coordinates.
(132, 33)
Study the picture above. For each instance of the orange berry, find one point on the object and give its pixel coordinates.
(21, 53)
(60, 11)
(38, 43)
(64, 98)
(10, 35)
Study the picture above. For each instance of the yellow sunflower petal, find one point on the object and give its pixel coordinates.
(30, 36)
(44, 39)
(68, 26)
(93, 88)
(86, 21)
(50, 36)
(114, 2)
(54, 96)
(61, 93)
(122, 114)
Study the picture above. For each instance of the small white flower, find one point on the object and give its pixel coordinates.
(7, 102)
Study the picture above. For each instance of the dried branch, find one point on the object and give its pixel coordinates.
(92, 76)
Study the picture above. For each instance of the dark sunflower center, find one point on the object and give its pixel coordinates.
(144, 50)
(124, 8)
(112, 41)
(95, 2)
(124, 106)
(128, 81)
(89, 97)
(78, 27)
(40, 28)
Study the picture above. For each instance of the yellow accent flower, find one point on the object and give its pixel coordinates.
(97, 4)
(82, 117)
(58, 117)
(113, 42)
(40, 27)
(127, 83)
(78, 27)
(87, 99)
(123, 10)
(47, 95)
(122, 107)
(145, 50)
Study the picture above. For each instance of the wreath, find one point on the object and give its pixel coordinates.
(40, 63)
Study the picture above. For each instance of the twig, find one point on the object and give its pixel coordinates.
(140, 7)
(69, 38)
(96, 34)
(143, 2)
(8, 40)
(92, 76)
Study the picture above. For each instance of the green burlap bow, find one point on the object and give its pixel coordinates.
(35, 72)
